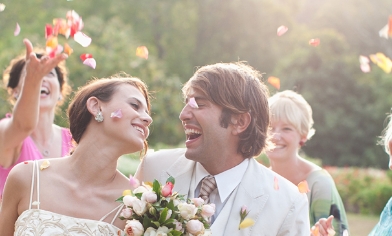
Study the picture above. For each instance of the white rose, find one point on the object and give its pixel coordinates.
(162, 231)
(187, 211)
(195, 227)
(149, 196)
(134, 228)
(126, 213)
(150, 232)
(207, 232)
(128, 200)
(140, 189)
(198, 201)
(139, 207)
(208, 210)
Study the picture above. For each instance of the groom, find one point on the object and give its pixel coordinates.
(225, 119)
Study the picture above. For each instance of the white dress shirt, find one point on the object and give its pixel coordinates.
(226, 182)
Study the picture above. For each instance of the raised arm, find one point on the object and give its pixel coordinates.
(26, 110)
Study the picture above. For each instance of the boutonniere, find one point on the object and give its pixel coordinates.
(245, 222)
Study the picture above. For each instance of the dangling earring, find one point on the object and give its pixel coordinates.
(99, 117)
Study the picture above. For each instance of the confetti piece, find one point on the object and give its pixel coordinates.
(192, 103)
(315, 231)
(247, 223)
(386, 31)
(331, 232)
(303, 187)
(274, 81)
(142, 52)
(45, 164)
(127, 192)
(314, 42)
(2, 7)
(382, 61)
(364, 62)
(276, 183)
(67, 49)
(134, 182)
(26, 162)
(17, 30)
(282, 30)
(90, 62)
(52, 42)
(116, 114)
(83, 57)
(82, 39)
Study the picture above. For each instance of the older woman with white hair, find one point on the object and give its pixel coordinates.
(291, 127)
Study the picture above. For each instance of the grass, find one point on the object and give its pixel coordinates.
(361, 225)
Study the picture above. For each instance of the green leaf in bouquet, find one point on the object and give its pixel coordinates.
(171, 179)
(139, 195)
(156, 187)
(148, 223)
(120, 199)
(156, 223)
(163, 216)
(175, 233)
(171, 205)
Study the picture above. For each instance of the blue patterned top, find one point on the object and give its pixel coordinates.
(384, 226)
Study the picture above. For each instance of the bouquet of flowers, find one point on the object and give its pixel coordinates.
(154, 209)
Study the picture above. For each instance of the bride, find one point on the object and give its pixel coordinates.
(75, 194)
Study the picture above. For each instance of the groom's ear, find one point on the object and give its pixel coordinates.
(93, 106)
(240, 122)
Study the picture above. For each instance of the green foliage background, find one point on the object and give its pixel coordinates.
(349, 106)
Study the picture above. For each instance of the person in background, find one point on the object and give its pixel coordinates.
(37, 85)
(291, 127)
(384, 226)
(76, 194)
(225, 120)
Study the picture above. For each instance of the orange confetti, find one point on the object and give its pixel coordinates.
(276, 184)
(382, 61)
(142, 52)
(67, 49)
(26, 162)
(274, 81)
(315, 231)
(52, 42)
(45, 164)
(281, 30)
(314, 42)
(303, 187)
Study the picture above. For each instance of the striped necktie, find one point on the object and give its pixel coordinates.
(208, 185)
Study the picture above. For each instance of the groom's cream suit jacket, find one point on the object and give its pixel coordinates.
(282, 211)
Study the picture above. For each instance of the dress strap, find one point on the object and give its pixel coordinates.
(37, 169)
(118, 208)
(32, 185)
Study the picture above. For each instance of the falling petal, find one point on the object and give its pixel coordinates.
(17, 30)
(303, 187)
(117, 114)
(2, 7)
(51, 52)
(82, 39)
(26, 162)
(142, 52)
(276, 183)
(314, 42)
(48, 30)
(83, 57)
(315, 231)
(127, 192)
(247, 223)
(133, 182)
(364, 62)
(390, 26)
(274, 81)
(282, 30)
(90, 62)
(52, 42)
(192, 103)
(382, 61)
(45, 164)
(365, 68)
(383, 33)
(67, 49)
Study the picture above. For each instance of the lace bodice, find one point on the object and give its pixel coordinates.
(39, 222)
(34, 222)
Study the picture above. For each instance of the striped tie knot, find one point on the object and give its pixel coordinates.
(208, 184)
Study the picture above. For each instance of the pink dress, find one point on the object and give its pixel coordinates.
(30, 152)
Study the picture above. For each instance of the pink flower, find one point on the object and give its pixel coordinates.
(198, 201)
(208, 210)
(167, 189)
(126, 213)
(195, 227)
(243, 209)
(134, 228)
(134, 182)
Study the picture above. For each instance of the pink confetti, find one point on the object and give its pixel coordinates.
(90, 62)
(117, 114)
(2, 7)
(17, 30)
(276, 183)
(82, 39)
(314, 42)
(192, 102)
(282, 30)
(364, 62)
(133, 182)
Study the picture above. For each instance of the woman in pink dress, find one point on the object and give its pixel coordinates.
(37, 85)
